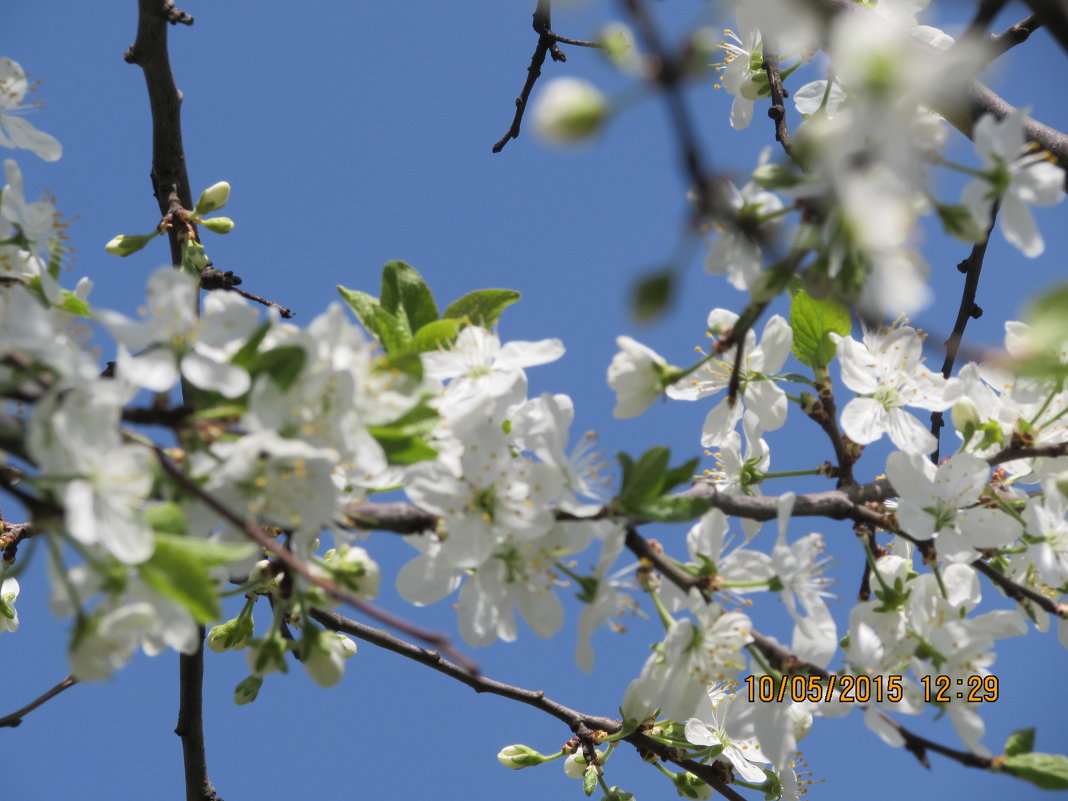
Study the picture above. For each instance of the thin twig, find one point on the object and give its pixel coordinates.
(547, 44)
(968, 309)
(1054, 15)
(577, 721)
(777, 112)
(918, 746)
(15, 718)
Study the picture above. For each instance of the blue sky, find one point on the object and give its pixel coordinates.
(356, 133)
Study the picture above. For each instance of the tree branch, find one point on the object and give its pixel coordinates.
(190, 727)
(170, 182)
(578, 722)
(292, 563)
(15, 718)
(968, 309)
(1018, 33)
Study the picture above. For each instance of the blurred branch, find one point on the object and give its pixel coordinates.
(981, 100)
(15, 718)
(777, 112)
(1018, 33)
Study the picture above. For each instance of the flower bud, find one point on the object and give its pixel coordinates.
(617, 43)
(569, 110)
(212, 198)
(689, 786)
(518, 757)
(233, 635)
(575, 766)
(354, 569)
(124, 245)
(267, 655)
(247, 690)
(218, 225)
(1060, 481)
(9, 616)
(324, 654)
(965, 416)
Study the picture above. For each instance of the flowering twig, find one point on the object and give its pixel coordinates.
(292, 563)
(15, 718)
(918, 746)
(578, 722)
(547, 43)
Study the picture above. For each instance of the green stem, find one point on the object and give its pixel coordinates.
(665, 617)
(790, 473)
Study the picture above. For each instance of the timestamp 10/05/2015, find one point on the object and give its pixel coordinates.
(866, 689)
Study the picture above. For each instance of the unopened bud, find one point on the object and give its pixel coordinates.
(689, 786)
(569, 110)
(617, 43)
(965, 416)
(212, 198)
(518, 757)
(247, 690)
(124, 244)
(218, 225)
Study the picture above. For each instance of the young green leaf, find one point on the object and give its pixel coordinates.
(283, 364)
(644, 479)
(436, 334)
(1020, 741)
(482, 307)
(813, 321)
(652, 295)
(1048, 771)
(405, 294)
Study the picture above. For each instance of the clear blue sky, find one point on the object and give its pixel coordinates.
(356, 133)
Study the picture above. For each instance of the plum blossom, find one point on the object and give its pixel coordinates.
(761, 394)
(14, 130)
(888, 373)
(637, 375)
(944, 502)
(709, 727)
(174, 341)
(1018, 174)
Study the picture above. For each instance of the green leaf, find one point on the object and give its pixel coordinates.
(420, 419)
(813, 321)
(407, 363)
(246, 357)
(167, 518)
(1020, 741)
(645, 479)
(671, 510)
(406, 295)
(589, 780)
(402, 448)
(1048, 771)
(482, 307)
(436, 334)
(363, 306)
(75, 305)
(683, 474)
(178, 570)
(958, 221)
(283, 364)
(652, 295)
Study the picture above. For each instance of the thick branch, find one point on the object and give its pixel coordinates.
(170, 182)
(190, 727)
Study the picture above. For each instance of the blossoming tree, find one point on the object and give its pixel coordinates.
(224, 478)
